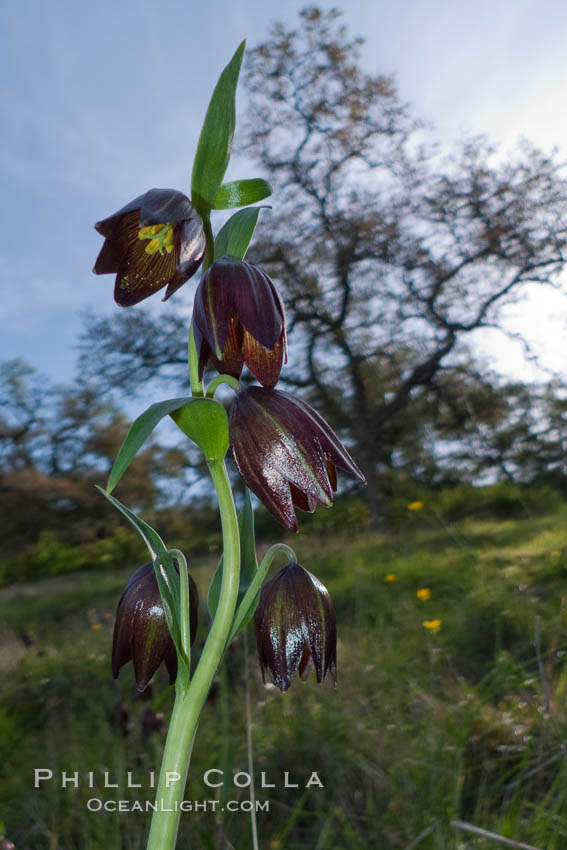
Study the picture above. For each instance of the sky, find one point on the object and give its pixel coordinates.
(104, 100)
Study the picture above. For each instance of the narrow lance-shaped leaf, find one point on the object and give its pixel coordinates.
(137, 436)
(167, 577)
(235, 235)
(248, 562)
(215, 142)
(241, 193)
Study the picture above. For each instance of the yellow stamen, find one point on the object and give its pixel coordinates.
(161, 237)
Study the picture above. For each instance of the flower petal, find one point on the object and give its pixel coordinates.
(254, 303)
(212, 308)
(315, 609)
(110, 226)
(286, 434)
(332, 447)
(324, 644)
(164, 205)
(141, 274)
(190, 250)
(151, 641)
(125, 615)
(332, 473)
(265, 365)
(306, 664)
(121, 639)
(301, 500)
(259, 473)
(113, 249)
(279, 633)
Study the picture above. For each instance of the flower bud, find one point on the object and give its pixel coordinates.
(141, 633)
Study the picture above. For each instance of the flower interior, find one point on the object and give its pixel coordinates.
(161, 238)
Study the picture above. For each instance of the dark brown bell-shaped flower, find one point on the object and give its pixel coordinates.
(154, 241)
(141, 633)
(238, 318)
(296, 627)
(285, 452)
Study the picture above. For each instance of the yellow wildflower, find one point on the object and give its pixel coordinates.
(96, 626)
(432, 625)
(390, 577)
(424, 593)
(415, 506)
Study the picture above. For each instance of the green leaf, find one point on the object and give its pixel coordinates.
(213, 594)
(205, 422)
(235, 235)
(215, 142)
(137, 436)
(241, 193)
(166, 574)
(248, 562)
(151, 538)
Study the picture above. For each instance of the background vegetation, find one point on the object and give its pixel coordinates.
(424, 728)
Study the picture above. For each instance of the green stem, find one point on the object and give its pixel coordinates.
(173, 774)
(222, 379)
(197, 388)
(190, 701)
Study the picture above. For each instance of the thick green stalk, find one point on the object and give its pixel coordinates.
(209, 257)
(197, 388)
(189, 702)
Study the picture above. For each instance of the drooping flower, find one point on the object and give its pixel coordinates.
(424, 593)
(238, 319)
(141, 633)
(154, 241)
(295, 626)
(285, 452)
(432, 625)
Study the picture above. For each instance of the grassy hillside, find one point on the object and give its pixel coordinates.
(462, 721)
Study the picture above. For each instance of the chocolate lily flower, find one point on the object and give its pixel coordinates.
(295, 627)
(154, 241)
(141, 633)
(285, 452)
(238, 318)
